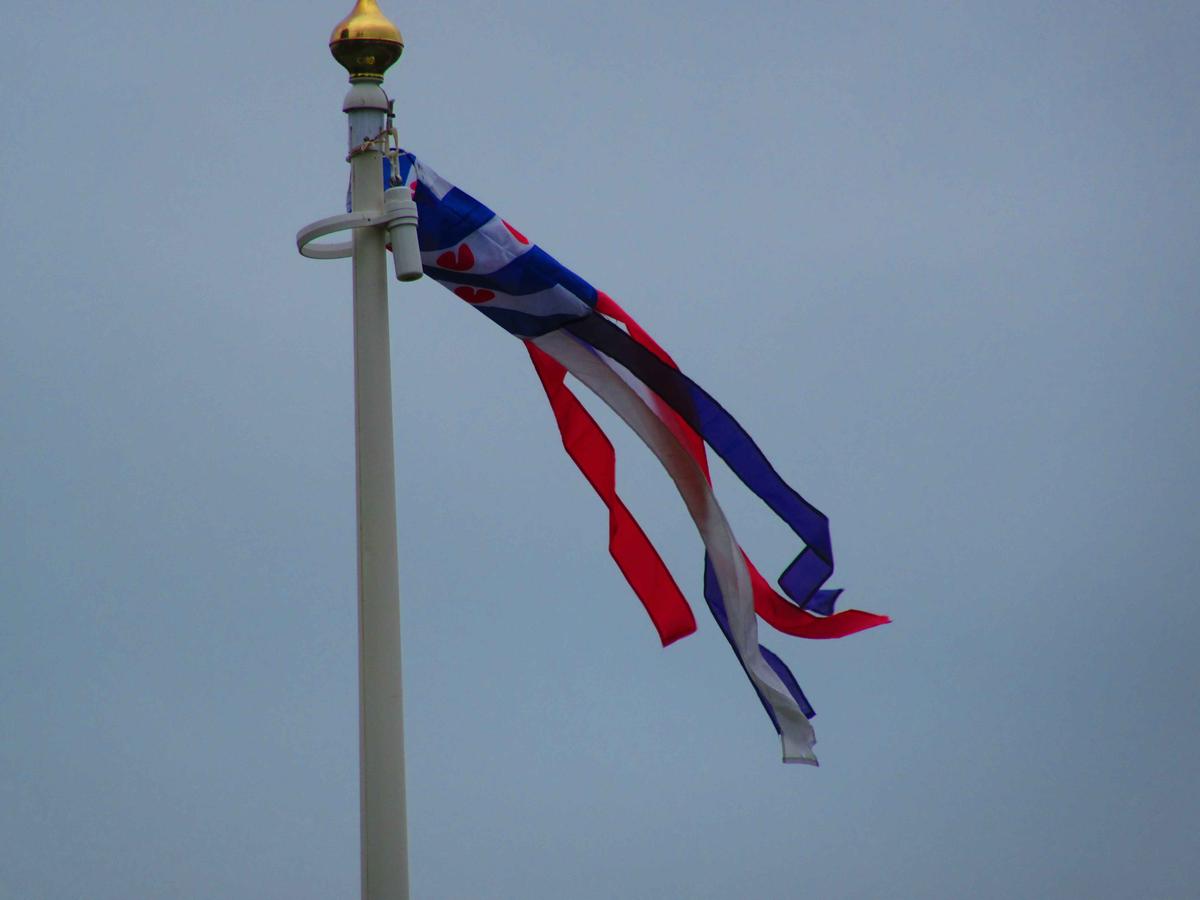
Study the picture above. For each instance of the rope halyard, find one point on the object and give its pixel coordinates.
(368, 145)
(393, 152)
(391, 149)
(391, 143)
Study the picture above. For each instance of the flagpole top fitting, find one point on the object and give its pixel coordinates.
(366, 43)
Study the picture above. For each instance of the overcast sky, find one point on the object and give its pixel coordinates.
(941, 260)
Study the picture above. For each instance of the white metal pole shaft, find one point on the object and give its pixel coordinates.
(384, 828)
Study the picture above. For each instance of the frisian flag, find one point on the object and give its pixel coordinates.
(570, 327)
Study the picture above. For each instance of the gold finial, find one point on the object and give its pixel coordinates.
(365, 42)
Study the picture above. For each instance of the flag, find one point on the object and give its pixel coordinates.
(569, 327)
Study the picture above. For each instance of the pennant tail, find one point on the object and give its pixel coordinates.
(632, 551)
(732, 602)
(793, 618)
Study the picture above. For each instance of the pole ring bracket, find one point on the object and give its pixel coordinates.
(332, 224)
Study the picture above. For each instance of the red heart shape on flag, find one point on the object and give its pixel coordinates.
(520, 237)
(471, 295)
(460, 263)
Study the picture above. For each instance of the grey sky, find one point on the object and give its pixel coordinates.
(941, 260)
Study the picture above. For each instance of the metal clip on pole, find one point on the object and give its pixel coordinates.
(401, 214)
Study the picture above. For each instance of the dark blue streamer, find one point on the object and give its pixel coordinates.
(802, 579)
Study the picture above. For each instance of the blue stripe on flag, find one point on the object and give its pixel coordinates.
(789, 680)
(522, 324)
(802, 579)
(533, 271)
(449, 221)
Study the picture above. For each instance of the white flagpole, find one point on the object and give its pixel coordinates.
(383, 829)
(366, 43)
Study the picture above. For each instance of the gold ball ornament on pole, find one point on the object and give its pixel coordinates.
(366, 43)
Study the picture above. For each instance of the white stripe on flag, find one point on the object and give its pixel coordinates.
(438, 185)
(492, 248)
(555, 301)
